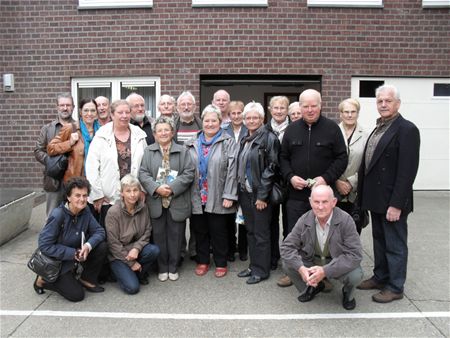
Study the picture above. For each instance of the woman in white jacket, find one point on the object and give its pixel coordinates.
(115, 151)
(355, 138)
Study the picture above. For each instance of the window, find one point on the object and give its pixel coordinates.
(367, 87)
(230, 3)
(441, 89)
(94, 4)
(118, 88)
(435, 3)
(345, 3)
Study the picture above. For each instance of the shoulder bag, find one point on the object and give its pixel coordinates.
(46, 267)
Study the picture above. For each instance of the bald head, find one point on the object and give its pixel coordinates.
(322, 202)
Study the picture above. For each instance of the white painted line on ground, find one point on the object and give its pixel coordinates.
(190, 316)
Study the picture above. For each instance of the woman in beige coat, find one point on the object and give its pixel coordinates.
(355, 139)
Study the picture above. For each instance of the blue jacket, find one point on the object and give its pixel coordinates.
(61, 235)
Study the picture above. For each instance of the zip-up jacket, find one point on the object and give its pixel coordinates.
(311, 151)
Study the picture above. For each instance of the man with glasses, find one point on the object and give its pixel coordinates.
(138, 117)
(53, 187)
(187, 123)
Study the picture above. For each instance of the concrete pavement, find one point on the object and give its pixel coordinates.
(210, 307)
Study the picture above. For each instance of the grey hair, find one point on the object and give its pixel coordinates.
(129, 180)
(280, 98)
(118, 103)
(134, 95)
(253, 107)
(309, 92)
(64, 96)
(161, 120)
(390, 88)
(186, 93)
(171, 98)
(292, 106)
(210, 108)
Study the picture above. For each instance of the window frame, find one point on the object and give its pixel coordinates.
(230, 3)
(436, 3)
(346, 3)
(113, 4)
(92, 82)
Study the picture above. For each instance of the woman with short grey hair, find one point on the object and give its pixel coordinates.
(166, 174)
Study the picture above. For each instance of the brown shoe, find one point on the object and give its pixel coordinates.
(328, 285)
(386, 296)
(284, 281)
(370, 284)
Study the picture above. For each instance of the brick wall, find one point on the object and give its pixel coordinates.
(45, 43)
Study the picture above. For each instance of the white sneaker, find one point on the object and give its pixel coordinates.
(173, 276)
(163, 276)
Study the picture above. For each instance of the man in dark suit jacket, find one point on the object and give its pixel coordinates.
(386, 178)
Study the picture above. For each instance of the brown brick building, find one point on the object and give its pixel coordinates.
(49, 45)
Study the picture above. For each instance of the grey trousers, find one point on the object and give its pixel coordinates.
(167, 235)
(349, 280)
(54, 199)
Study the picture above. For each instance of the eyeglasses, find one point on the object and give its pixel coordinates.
(65, 105)
(350, 113)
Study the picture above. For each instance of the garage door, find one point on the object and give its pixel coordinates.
(423, 103)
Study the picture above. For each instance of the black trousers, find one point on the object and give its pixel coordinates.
(231, 233)
(69, 287)
(242, 240)
(295, 209)
(211, 231)
(258, 234)
(275, 231)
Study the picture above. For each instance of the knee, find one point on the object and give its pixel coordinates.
(354, 277)
(131, 289)
(76, 296)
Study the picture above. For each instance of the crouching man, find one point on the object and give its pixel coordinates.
(323, 244)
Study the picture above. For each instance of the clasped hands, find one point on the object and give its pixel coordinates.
(132, 256)
(313, 275)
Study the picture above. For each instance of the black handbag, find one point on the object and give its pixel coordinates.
(278, 193)
(56, 166)
(46, 267)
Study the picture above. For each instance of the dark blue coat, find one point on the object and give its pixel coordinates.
(61, 235)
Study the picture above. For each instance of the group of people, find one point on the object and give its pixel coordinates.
(133, 182)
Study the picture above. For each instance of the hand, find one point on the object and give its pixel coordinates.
(319, 181)
(316, 274)
(260, 205)
(304, 273)
(164, 190)
(136, 267)
(227, 203)
(393, 214)
(298, 183)
(132, 255)
(98, 204)
(73, 138)
(82, 254)
(343, 187)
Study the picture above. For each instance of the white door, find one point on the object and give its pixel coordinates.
(429, 113)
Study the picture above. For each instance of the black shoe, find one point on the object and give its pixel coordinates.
(143, 280)
(254, 280)
(94, 289)
(193, 258)
(230, 258)
(245, 273)
(310, 292)
(347, 303)
(243, 256)
(39, 289)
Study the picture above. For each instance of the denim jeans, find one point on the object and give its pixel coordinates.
(127, 278)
